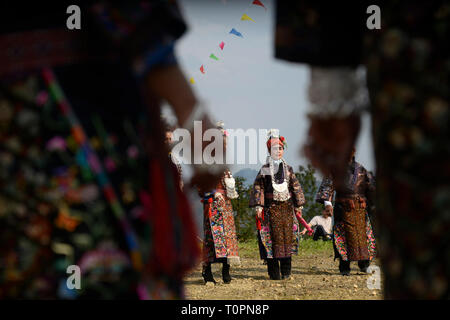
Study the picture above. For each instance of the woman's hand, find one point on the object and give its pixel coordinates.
(170, 84)
(259, 213)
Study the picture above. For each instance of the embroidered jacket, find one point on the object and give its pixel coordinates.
(262, 192)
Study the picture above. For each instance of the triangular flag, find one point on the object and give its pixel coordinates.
(202, 70)
(221, 45)
(246, 17)
(234, 31)
(212, 56)
(258, 3)
(191, 80)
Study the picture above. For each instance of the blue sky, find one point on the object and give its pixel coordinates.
(248, 87)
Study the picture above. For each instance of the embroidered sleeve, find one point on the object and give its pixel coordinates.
(326, 191)
(219, 201)
(296, 189)
(257, 192)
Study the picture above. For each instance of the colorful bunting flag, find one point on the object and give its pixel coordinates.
(246, 17)
(258, 3)
(235, 32)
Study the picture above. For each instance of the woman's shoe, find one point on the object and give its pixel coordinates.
(285, 267)
(274, 277)
(207, 274)
(226, 273)
(363, 265)
(344, 267)
(273, 269)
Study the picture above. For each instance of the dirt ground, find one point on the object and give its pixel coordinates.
(314, 276)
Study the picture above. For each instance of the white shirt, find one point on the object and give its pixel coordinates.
(326, 223)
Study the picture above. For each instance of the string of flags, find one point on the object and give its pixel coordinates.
(246, 17)
(234, 32)
(212, 56)
(258, 3)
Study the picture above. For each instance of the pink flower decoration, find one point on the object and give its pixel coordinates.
(94, 163)
(56, 143)
(42, 98)
(133, 152)
(110, 165)
(103, 257)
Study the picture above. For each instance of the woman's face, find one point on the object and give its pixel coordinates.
(277, 152)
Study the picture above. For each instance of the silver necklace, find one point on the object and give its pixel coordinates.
(280, 190)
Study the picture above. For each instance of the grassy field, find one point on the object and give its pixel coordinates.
(307, 246)
(315, 275)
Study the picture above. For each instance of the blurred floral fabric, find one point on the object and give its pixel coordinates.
(408, 66)
(84, 176)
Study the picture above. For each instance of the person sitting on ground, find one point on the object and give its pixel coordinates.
(322, 225)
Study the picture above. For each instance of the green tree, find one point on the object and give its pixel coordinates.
(243, 215)
(308, 181)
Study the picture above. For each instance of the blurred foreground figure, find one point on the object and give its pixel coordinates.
(84, 175)
(407, 63)
(168, 140)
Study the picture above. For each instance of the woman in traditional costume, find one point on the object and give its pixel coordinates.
(277, 197)
(352, 231)
(220, 241)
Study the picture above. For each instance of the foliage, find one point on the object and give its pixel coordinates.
(308, 181)
(244, 216)
(307, 246)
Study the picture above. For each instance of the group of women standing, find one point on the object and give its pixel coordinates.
(278, 200)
